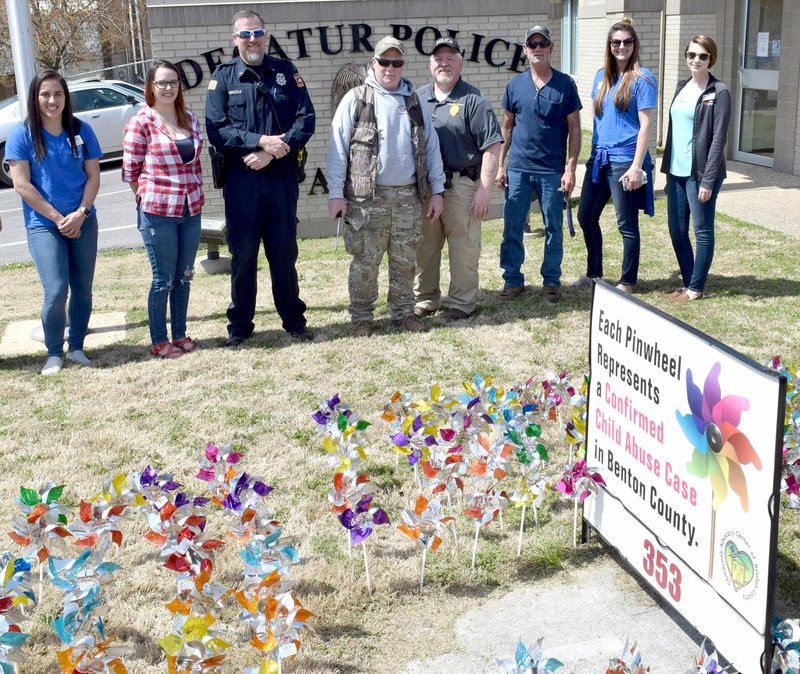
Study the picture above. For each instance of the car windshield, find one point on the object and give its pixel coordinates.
(7, 102)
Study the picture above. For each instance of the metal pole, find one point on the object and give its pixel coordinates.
(141, 39)
(133, 32)
(21, 33)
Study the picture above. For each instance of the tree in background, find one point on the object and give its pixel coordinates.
(69, 33)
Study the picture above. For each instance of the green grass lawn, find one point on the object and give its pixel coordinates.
(128, 411)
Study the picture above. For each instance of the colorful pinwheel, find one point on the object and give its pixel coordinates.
(16, 595)
(629, 663)
(786, 642)
(707, 663)
(426, 524)
(529, 661)
(579, 481)
(360, 519)
(43, 521)
(790, 479)
(720, 448)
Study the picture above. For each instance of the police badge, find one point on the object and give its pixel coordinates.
(280, 78)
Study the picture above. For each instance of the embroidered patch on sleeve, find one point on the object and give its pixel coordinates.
(299, 79)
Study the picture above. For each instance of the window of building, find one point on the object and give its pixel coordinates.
(569, 37)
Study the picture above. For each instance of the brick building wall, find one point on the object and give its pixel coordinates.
(680, 28)
(491, 36)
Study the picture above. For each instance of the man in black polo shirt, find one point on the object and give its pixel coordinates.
(469, 139)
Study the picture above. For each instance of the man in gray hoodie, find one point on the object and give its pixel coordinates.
(383, 157)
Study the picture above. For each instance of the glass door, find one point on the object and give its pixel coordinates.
(759, 63)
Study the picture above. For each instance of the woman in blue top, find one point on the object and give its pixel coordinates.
(55, 167)
(619, 168)
(694, 161)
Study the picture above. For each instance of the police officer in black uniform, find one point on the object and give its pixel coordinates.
(259, 115)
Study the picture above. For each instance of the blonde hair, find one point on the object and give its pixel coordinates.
(633, 70)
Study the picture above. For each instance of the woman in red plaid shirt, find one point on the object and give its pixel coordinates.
(161, 162)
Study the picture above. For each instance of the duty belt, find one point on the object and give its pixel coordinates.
(470, 172)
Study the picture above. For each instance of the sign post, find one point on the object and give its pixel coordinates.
(687, 434)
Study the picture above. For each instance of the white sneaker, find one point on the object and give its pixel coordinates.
(78, 357)
(53, 365)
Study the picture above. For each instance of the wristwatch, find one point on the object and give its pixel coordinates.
(85, 210)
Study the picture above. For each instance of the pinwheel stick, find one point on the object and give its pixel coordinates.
(41, 580)
(475, 544)
(536, 515)
(575, 524)
(422, 575)
(500, 515)
(349, 543)
(366, 566)
(416, 477)
(521, 529)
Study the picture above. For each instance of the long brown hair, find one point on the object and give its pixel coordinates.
(633, 70)
(182, 116)
(33, 119)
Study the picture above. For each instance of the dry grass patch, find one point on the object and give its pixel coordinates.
(130, 410)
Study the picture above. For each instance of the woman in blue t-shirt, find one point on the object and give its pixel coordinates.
(694, 161)
(619, 168)
(55, 167)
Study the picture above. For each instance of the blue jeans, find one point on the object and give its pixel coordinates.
(681, 202)
(594, 197)
(516, 207)
(171, 244)
(65, 266)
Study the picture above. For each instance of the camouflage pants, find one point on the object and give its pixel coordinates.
(390, 223)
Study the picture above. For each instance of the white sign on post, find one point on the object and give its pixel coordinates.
(687, 434)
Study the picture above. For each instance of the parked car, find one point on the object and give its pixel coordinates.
(105, 105)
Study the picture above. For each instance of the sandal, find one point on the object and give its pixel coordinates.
(186, 344)
(166, 350)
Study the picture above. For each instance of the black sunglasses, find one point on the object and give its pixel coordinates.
(692, 55)
(385, 63)
(628, 41)
(532, 44)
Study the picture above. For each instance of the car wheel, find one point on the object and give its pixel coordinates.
(5, 170)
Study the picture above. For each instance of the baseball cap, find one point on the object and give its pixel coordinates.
(388, 43)
(538, 28)
(446, 41)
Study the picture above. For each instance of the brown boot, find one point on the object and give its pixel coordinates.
(414, 324)
(509, 293)
(362, 329)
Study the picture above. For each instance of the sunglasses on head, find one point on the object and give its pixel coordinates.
(245, 34)
(532, 44)
(692, 55)
(385, 63)
(628, 41)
